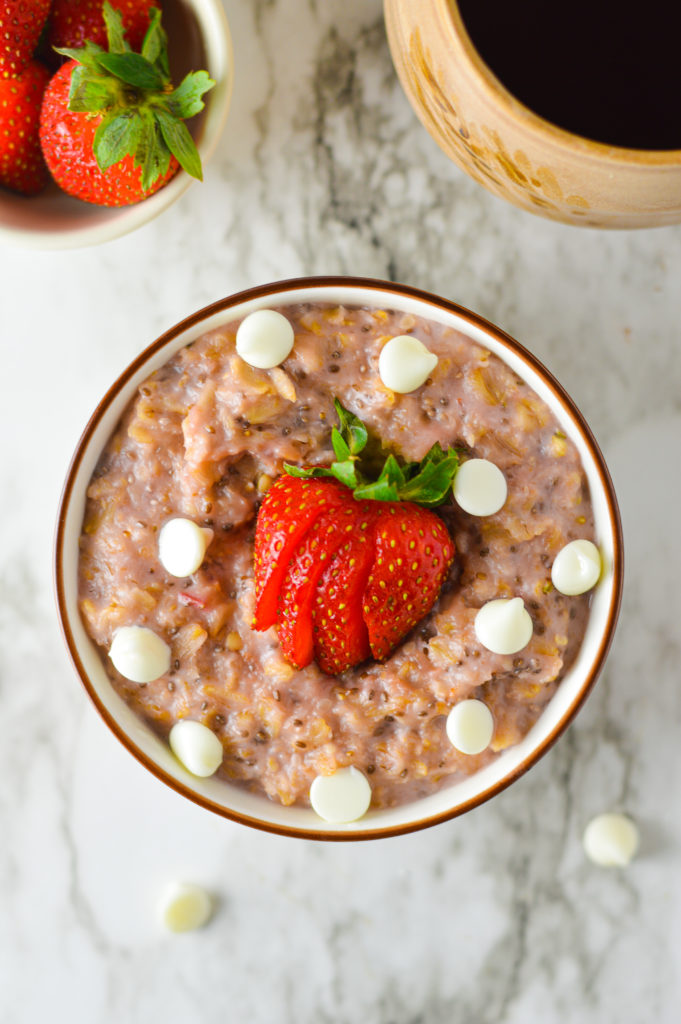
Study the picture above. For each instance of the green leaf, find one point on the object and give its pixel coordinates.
(307, 472)
(86, 55)
(340, 447)
(179, 142)
(346, 473)
(115, 138)
(185, 101)
(91, 92)
(432, 484)
(115, 32)
(155, 45)
(353, 430)
(379, 490)
(132, 69)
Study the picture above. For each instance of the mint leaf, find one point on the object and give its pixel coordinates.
(115, 138)
(132, 69)
(114, 29)
(185, 101)
(179, 142)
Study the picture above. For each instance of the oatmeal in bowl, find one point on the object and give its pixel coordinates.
(337, 558)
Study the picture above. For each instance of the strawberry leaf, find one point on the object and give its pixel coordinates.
(155, 45)
(307, 472)
(432, 484)
(114, 30)
(116, 137)
(352, 429)
(340, 446)
(427, 482)
(346, 473)
(91, 92)
(185, 101)
(132, 69)
(179, 142)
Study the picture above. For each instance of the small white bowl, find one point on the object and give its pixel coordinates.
(257, 811)
(198, 37)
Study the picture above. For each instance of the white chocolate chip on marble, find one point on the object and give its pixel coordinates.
(342, 797)
(470, 726)
(576, 568)
(611, 840)
(405, 364)
(139, 654)
(504, 626)
(185, 907)
(480, 487)
(182, 546)
(196, 747)
(264, 339)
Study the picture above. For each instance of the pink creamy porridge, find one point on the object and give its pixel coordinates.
(205, 437)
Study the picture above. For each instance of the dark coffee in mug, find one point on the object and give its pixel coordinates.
(609, 71)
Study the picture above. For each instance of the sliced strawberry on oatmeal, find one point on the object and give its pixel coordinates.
(413, 553)
(291, 507)
(343, 566)
(340, 633)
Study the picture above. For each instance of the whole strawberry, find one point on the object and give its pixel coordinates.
(21, 22)
(22, 167)
(112, 125)
(343, 567)
(74, 22)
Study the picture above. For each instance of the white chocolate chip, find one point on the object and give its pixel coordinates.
(139, 654)
(576, 568)
(264, 338)
(182, 546)
(611, 840)
(504, 626)
(185, 907)
(405, 364)
(470, 726)
(196, 747)
(480, 487)
(341, 797)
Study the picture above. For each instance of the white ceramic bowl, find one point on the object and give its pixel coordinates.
(198, 37)
(236, 803)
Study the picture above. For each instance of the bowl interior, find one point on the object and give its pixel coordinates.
(230, 800)
(198, 37)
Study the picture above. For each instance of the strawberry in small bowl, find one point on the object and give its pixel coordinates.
(338, 559)
(113, 143)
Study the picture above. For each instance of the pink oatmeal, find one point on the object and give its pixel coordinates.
(205, 437)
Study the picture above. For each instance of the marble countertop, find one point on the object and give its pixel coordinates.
(494, 918)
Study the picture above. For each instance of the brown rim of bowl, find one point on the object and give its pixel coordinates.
(495, 88)
(273, 289)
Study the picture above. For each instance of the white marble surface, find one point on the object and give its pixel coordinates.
(495, 918)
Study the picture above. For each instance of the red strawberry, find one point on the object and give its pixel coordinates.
(286, 515)
(352, 576)
(22, 167)
(112, 126)
(413, 553)
(73, 22)
(21, 22)
(341, 637)
(68, 138)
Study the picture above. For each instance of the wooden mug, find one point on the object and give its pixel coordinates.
(509, 149)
